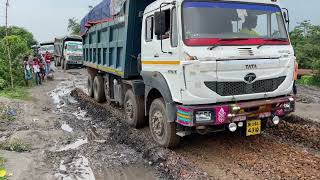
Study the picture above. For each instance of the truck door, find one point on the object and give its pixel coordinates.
(153, 53)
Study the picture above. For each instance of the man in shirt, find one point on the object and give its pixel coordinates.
(47, 58)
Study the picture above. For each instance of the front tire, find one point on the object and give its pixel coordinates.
(162, 131)
(98, 89)
(134, 109)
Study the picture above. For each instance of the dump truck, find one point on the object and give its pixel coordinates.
(68, 51)
(189, 66)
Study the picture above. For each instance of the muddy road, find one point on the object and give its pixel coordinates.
(69, 136)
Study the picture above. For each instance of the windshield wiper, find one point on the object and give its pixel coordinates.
(228, 39)
(273, 39)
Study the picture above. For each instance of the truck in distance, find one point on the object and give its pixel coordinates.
(191, 66)
(46, 47)
(68, 51)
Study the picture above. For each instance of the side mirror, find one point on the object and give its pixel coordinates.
(286, 17)
(159, 26)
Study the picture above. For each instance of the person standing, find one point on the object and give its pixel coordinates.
(27, 70)
(36, 70)
(42, 67)
(47, 58)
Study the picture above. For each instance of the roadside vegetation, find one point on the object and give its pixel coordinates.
(18, 45)
(306, 39)
(3, 171)
(16, 146)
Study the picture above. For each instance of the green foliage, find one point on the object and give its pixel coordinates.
(18, 48)
(309, 81)
(16, 146)
(19, 31)
(305, 39)
(74, 26)
(18, 92)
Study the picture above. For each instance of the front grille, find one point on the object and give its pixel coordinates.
(246, 52)
(75, 58)
(241, 88)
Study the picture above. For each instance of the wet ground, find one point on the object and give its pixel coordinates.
(69, 136)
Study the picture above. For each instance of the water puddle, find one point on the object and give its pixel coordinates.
(78, 169)
(74, 145)
(137, 172)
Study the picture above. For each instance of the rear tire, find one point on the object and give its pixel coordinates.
(98, 89)
(134, 109)
(162, 131)
(90, 85)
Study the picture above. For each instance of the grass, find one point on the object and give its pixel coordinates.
(309, 81)
(16, 146)
(21, 93)
(3, 171)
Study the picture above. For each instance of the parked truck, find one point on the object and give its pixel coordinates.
(188, 66)
(46, 47)
(68, 51)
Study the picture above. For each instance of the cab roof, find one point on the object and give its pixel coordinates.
(157, 3)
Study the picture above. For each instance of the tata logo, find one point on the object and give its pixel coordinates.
(249, 78)
(251, 66)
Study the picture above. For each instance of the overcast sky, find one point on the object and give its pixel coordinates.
(47, 19)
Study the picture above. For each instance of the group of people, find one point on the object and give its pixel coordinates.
(37, 67)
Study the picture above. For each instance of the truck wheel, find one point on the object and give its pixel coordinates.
(162, 131)
(134, 109)
(90, 85)
(98, 89)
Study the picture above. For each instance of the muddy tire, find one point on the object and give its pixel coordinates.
(90, 85)
(98, 89)
(162, 131)
(134, 109)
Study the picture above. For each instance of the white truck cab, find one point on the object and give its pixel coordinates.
(230, 62)
(220, 51)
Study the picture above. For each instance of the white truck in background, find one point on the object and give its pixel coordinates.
(68, 51)
(193, 66)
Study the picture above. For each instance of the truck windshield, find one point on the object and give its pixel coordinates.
(233, 23)
(74, 46)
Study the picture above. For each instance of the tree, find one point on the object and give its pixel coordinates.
(305, 39)
(74, 26)
(19, 31)
(18, 48)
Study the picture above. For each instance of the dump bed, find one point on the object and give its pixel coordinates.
(112, 44)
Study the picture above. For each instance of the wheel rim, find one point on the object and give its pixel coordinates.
(157, 124)
(129, 110)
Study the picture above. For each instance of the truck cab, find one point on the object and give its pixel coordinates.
(68, 51)
(221, 61)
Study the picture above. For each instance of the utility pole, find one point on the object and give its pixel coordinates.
(8, 45)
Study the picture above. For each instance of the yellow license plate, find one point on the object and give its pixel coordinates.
(253, 127)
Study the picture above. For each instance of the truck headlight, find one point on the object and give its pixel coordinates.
(202, 116)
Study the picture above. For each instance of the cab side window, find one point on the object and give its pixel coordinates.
(167, 25)
(149, 28)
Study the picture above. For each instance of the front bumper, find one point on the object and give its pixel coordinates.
(228, 113)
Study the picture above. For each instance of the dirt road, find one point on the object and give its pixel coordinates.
(72, 137)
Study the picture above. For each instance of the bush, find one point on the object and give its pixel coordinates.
(18, 49)
(309, 81)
